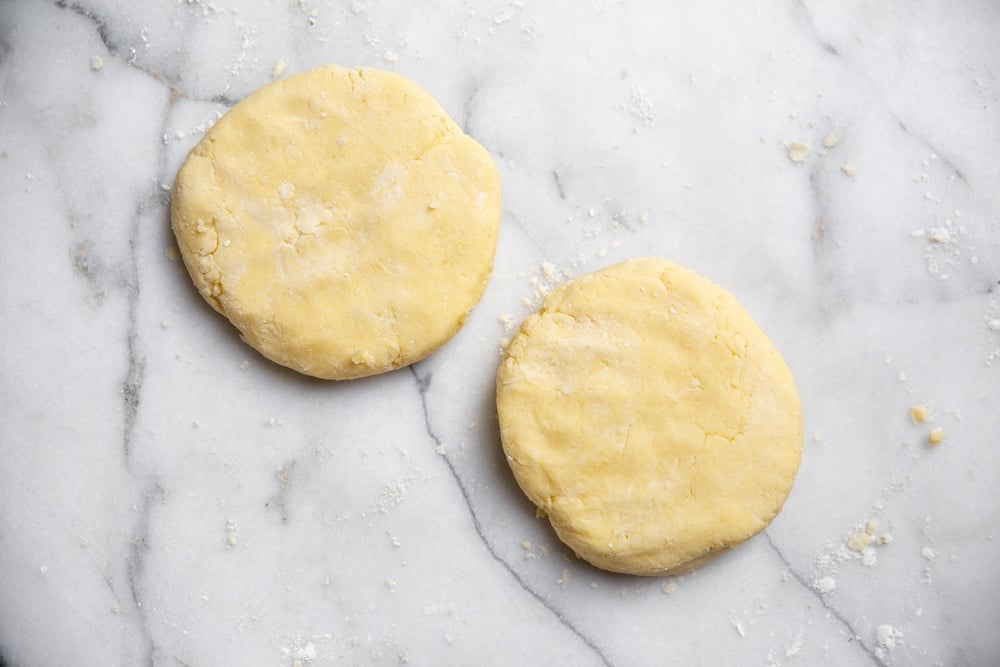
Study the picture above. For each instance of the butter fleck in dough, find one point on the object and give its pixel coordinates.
(646, 414)
(340, 220)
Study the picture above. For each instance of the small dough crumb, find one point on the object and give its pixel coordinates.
(96, 63)
(279, 68)
(919, 414)
(798, 151)
(830, 140)
(936, 436)
(859, 541)
(848, 169)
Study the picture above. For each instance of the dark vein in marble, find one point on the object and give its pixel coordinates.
(527, 232)
(929, 145)
(104, 33)
(801, 10)
(469, 106)
(560, 188)
(423, 384)
(854, 636)
(821, 215)
(135, 564)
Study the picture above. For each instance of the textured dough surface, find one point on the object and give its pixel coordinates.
(340, 220)
(649, 417)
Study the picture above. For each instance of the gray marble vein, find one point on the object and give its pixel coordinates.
(169, 497)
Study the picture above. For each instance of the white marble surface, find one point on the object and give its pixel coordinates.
(168, 497)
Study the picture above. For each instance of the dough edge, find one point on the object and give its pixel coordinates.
(644, 562)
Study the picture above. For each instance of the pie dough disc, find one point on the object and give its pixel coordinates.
(340, 220)
(648, 416)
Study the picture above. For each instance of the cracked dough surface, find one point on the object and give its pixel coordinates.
(649, 417)
(340, 220)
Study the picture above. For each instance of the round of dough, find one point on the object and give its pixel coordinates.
(649, 417)
(340, 220)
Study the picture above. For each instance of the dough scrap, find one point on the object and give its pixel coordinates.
(340, 220)
(648, 416)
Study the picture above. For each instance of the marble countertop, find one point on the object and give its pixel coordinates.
(170, 498)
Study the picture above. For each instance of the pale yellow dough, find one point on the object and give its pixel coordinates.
(340, 220)
(649, 417)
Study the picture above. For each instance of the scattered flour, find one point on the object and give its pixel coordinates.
(825, 585)
(639, 107)
(862, 544)
(886, 638)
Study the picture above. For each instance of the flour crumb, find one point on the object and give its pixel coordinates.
(919, 414)
(390, 56)
(668, 587)
(848, 169)
(639, 106)
(928, 554)
(231, 539)
(278, 68)
(795, 648)
(564, 579)
(286, 190)
(797, 151)
(507, 320)
(825, 585)
(440, 450)
(830, 140)
(549, 271)
(936, 437)
(526, 545)
(886, 638)
(357, 7)
(302, 654)
(96, 63)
